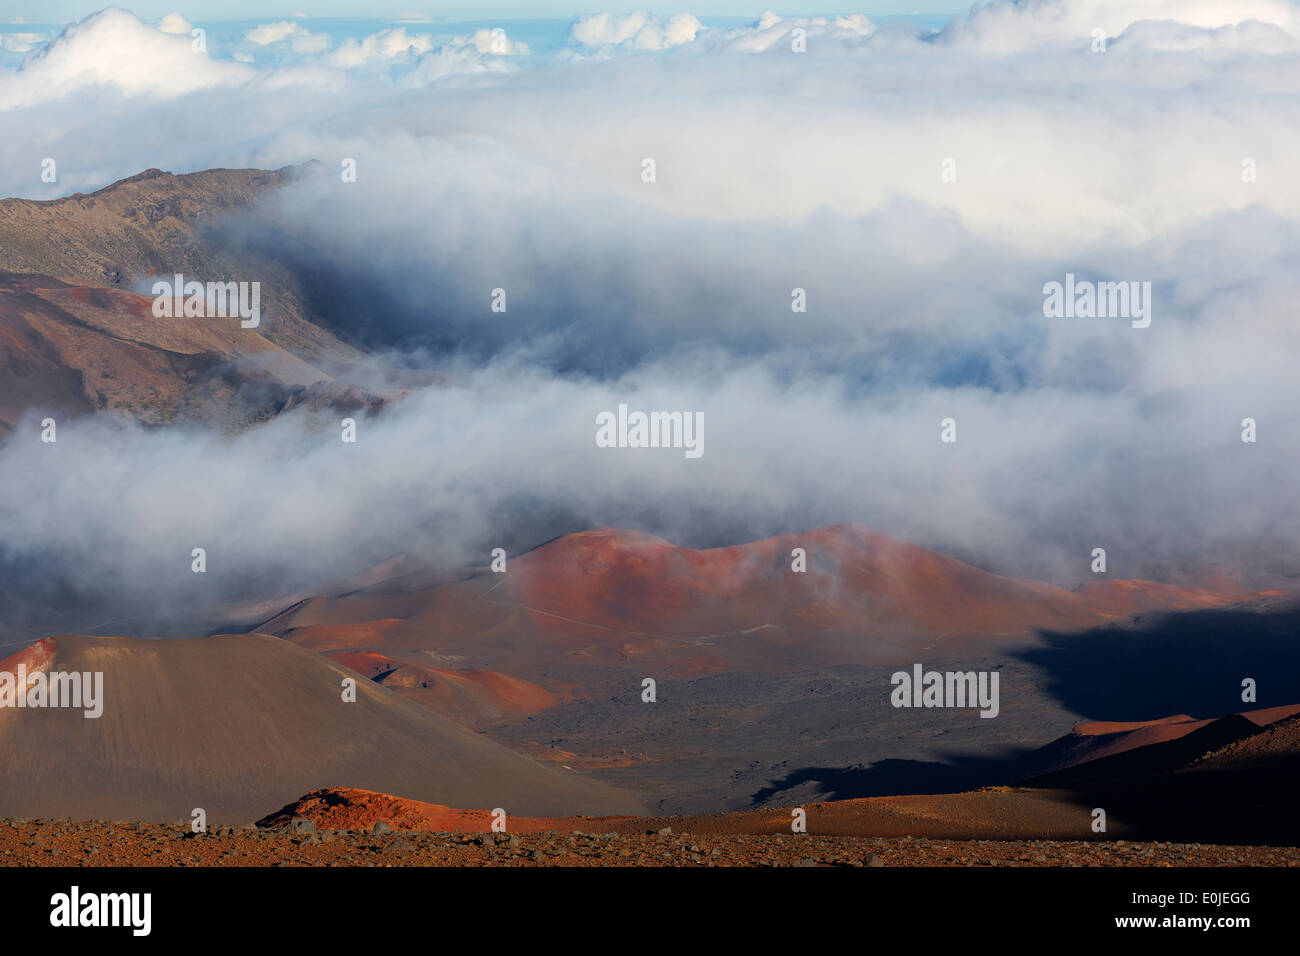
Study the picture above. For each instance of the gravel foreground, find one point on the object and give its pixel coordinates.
(65, 843)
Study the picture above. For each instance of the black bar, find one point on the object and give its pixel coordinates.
(331, 905)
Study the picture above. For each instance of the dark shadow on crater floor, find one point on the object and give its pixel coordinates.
(1190, 663)
(889, 777)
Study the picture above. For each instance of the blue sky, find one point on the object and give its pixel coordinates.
(21, 35)
(48, 11)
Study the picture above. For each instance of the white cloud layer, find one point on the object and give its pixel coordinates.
(113, 48)
(20, 42)
(1011, 26)
(175, 23)
(920, 189)
(265, 34)
(639, 30)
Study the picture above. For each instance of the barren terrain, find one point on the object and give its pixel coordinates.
(60, 843)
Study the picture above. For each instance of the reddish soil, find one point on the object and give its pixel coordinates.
(1105, 738)
(1277, 743)
(347, 808)
(473, 697)
(1127, 598)
(626, 598)
(995, 826)
(993, 813)
(61, 843)
(323, 637)
(36, 656)
(1102, 727)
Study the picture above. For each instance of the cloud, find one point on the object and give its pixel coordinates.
(504, 455)
(825, 171)
(610, 32)
(20, 42)
(112, 48)
(639, 30)
(175, 23)
(300, 40)
(265, 34)
(384, 45)
(492, 40)
(1007, 27)
(422, 60)
(773, 32)
(598, 29)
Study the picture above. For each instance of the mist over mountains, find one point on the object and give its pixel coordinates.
(483, 167)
